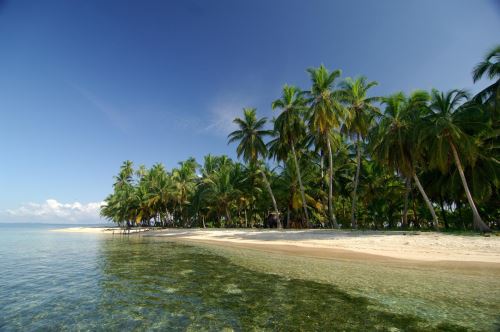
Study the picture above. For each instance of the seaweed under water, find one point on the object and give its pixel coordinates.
(168, 285)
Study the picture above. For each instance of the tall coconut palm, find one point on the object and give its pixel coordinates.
(162, 192)
(120, 206)
(126, 174)
(443, 132)
(324, 116)
(394, 143)
(251, 145)
(359, 118)
(290, 126)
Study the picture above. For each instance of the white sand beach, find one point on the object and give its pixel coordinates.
(420, 246)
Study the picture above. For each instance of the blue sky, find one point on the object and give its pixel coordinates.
(85, 85)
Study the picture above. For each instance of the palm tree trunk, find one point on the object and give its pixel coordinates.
(408, 188)
(333, 219)
(180, 211)
(321, 164)
(302, 191)
(414, 208)
(343, 207)
(477, 221)
(275, 206)
(354, 222)
(288, 217)
(427, 201)
(405, 210)
(228, 216)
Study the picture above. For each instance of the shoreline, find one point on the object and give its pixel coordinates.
(100, 230)
(383, 246)
(343, 255)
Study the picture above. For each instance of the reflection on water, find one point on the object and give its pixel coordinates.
(89, 282)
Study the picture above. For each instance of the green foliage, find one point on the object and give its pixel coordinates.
(332, 145)
(250, 135)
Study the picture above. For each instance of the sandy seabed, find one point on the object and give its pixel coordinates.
(436, 276)
(420, 246)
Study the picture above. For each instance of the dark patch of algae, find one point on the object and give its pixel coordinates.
(157, 285)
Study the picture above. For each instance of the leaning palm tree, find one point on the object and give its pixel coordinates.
(290, 126)
(444, 134)
(251, 145)
(393, 142)
(359, 118)
(324, 116)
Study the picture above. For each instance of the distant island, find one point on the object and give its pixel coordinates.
(337, 157)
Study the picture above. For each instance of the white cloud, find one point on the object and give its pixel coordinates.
(53, 211)
(116, 117)
(223, 112)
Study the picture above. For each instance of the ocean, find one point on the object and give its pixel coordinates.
(95, 282)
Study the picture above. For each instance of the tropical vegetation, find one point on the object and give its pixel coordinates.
(337, 156)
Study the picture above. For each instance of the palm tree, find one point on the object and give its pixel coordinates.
(126, 174)
(184, 178)
(220, 190)
(393, 142)
(118, 206)
(491, 67)
(359, 117)
(288, 191)
(251, 145)
(290, 126)
(443, 132)
(324, 117)
(381, 205)
(161, 192)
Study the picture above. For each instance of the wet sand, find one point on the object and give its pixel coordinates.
(429, 247)
(371, 245)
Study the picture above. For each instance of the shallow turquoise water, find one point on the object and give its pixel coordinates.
(71, 281)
